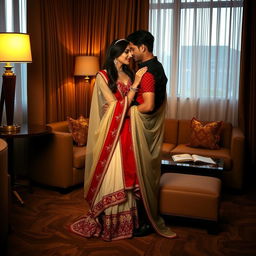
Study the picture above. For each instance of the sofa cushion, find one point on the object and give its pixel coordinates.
(79, 157)
(171, 131)
(205, 135)
(79, 130)
(184, 131)
(225, 134)
(166, 149)
(222, 153)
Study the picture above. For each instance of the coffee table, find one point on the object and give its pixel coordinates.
(168, 165)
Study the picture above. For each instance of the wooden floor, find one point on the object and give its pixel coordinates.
(40, 228)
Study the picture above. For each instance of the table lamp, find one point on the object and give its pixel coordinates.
(86, 66)
(15, 48)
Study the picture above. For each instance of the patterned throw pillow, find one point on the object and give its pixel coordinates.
(79, 130)
(205, 135)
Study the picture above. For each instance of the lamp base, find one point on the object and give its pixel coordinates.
(10, 128)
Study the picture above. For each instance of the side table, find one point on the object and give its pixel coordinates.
(25, 132)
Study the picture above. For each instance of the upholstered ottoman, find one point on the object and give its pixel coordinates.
(190, 196)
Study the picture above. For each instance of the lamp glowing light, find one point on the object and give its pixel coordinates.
(86, 66)
(14, 48)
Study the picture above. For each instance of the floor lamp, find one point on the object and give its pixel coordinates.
(86, 66)
(15, 48)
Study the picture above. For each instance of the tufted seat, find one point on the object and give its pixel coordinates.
(190, 196)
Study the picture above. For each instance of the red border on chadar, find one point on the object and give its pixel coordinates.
(107, 149)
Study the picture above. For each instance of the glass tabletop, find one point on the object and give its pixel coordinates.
(168, 165)
(218, 166)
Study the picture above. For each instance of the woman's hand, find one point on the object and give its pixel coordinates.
(105, 107)
(139, 74)
(134, 88)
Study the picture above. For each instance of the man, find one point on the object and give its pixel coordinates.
(154, 81)
(147, 120)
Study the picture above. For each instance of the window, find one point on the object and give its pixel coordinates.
(198, 43)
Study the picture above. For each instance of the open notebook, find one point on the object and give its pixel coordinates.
(192, 158)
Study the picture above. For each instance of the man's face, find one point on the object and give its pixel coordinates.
(136, 52)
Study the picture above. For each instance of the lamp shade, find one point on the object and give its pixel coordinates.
(15, 47)
(86, 65)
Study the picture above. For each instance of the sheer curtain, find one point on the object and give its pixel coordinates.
(198, 42)
(13, 19)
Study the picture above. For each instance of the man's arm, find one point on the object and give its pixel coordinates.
(147, 87)
(148, 104)
(148, 93)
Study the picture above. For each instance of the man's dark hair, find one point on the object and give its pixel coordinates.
(142, 37)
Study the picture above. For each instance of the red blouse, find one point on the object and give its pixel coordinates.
(147, 84)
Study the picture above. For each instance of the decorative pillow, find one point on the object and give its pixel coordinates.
(205, 135)
(79, 129)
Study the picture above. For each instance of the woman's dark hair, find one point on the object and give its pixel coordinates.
(114, 51)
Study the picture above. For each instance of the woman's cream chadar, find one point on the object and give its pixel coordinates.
(104, 179)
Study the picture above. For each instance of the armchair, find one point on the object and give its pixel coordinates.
(58, 162)
(4, 194)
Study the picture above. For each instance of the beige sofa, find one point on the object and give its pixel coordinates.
(60, 163)
(57, 162)
(177, 136)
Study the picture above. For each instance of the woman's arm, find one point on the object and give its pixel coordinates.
(134, 88)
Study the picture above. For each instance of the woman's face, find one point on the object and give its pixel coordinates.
(125, 57)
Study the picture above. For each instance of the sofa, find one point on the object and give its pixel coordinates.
(177, 137)
(58, 162)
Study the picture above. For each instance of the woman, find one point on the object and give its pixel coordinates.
(111, 183)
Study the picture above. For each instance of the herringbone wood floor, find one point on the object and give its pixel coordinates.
(40, 228)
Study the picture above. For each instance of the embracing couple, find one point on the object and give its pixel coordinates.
(125, 136)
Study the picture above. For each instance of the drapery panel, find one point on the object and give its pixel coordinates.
(199, 44)
(57, 30)
(247, 93)
(77, 27)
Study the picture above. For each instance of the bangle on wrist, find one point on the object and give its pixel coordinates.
(134, 89)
